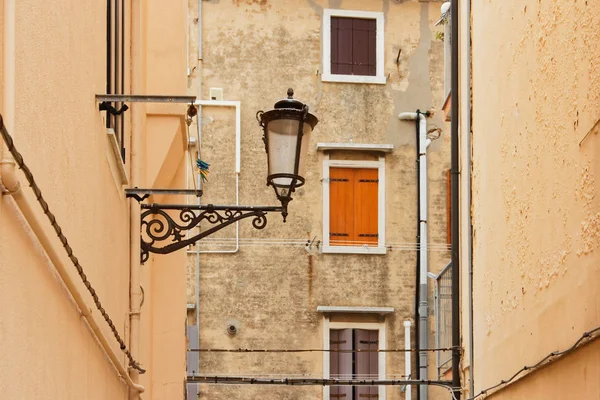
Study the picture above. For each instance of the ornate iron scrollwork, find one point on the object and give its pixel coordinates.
(170, 222)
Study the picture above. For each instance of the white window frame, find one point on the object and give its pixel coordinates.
(327, 76)
(363, 249)
(374, 326)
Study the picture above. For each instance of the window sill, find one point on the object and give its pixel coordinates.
(380, 80)
(354, 250)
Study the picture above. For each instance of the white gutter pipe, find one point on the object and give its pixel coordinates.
(137, 118)
(9, 182)
(10, 186)
(238, 139)
(423, 284)
(466, 151)
(407, 360)
(200, 35)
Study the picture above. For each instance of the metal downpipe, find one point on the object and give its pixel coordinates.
(422, 290)
(454, 151)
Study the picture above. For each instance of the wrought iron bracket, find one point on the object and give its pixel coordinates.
(168, 223)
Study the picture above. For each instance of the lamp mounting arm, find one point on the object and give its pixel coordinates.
(162, 223)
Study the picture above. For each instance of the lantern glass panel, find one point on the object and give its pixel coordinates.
(282, 141)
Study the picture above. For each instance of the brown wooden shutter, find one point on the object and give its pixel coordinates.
(363, 46)
(366, 206)
(334, 45)
(341, 206)
(353, 46)
(341, 41)
(372, 47)
(340, 364)
(366, 362)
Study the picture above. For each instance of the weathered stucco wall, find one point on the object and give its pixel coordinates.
(255, 50)
(536, 89)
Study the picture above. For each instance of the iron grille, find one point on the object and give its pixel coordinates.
(443, 319)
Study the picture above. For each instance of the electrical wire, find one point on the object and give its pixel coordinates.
(316, 350)
(550, 358)
(224, 242)
(300, 380)
(63, 239)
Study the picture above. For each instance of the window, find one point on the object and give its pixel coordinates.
(353, 46)
(115, 69)
(347, 363)
(353, 204)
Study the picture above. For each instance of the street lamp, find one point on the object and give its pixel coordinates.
(165, 228)
(286, 134)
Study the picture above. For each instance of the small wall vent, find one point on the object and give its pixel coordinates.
(216, 94)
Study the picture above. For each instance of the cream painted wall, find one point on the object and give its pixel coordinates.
(48, 351)
(536, 89)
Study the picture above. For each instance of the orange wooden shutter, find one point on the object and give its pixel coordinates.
(341, 206)
(366, 206)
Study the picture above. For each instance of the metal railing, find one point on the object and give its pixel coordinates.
(443, 319)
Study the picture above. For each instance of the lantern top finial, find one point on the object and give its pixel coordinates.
(289, 102)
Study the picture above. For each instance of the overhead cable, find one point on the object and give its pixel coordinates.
(316, 350)
(305, 381)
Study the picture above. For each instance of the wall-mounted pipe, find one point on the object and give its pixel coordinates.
(199, 35)
(10, 185)
(137, 117)
(466, 137)
(8, 179)
(455, 212)
(423, 309)
(238, 139)
(407, 360)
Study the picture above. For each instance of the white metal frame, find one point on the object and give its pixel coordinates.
(327, 76)
(364, 249)
(378, 326)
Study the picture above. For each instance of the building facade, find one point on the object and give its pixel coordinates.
(534, 210)
(73, 305)
(340, 274)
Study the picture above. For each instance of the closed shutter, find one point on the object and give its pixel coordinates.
(335, 45)
(366, 204)
(343, 45)
(353, 46)
(340, 364)
(366, 362)
(353, 207)
(341, 206)
(363, 46)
